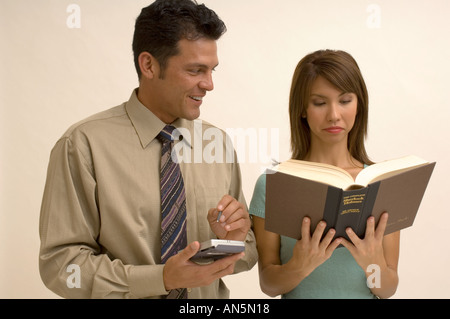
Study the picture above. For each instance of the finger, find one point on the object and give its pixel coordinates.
(351, 248)
(242, 223)
(381, 227)
(189, 251)
(306, 229)
(224, 202)
(213, 213)
(325, 242)
(211, 272)
(352, 236)
(236, 217)
(318, 232)
(224, 272)
(335, 244)
(233, 211)
(370, 227)
(220, 265)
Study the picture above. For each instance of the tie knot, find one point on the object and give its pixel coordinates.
(166, 134)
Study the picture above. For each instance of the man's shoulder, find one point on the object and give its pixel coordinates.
(95, 121)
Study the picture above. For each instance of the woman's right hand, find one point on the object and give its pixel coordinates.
(310, 251)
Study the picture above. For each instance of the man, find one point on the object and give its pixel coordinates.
(101, 216)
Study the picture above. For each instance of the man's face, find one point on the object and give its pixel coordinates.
(186, 79)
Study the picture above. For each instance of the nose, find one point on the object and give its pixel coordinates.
(207, 82)
(333, 113)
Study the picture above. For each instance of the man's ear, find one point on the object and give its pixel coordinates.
(148, 64)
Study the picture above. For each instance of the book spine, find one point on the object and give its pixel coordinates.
(332, 204)
(366, 212)
(350, 211)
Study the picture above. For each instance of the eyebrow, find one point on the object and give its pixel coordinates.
(200, 65)
(325, 97)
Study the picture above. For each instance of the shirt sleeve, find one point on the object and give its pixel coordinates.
(71, 262)
(258, 201)
(251, 253)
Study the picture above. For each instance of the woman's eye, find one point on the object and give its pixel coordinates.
(346, 101)
(318, 103)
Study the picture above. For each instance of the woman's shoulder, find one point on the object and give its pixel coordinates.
(261, 181)
(258, 201)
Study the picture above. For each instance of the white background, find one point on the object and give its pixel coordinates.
(52, 75)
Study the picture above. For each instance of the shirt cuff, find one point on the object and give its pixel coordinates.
(147, 281)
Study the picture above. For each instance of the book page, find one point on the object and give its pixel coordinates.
(323, 173)
(388, 168)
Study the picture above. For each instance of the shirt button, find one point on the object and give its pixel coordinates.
(189, 290)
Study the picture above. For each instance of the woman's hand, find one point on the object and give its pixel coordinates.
(377, 249)
(369, 250)
(310, 251)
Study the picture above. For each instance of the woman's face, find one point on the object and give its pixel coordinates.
(330, 113)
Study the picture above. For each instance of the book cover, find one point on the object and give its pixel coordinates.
(289, 198)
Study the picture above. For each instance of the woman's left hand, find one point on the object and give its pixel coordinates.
(369, 250)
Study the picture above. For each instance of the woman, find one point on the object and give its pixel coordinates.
(328, 110)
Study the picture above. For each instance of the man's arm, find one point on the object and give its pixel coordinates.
(71, 262)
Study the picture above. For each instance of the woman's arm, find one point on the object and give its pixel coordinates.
(309, 252)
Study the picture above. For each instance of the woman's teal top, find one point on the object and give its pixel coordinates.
(338, 277)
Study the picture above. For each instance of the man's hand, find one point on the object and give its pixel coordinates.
(180, 272)
(234, 222)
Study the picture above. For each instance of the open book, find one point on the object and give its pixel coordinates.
(295, 189)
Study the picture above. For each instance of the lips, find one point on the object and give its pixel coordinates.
(334, 129)
(196, 98)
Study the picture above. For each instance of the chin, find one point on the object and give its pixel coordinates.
(195, 114)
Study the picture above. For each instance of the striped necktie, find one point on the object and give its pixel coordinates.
(173, 204)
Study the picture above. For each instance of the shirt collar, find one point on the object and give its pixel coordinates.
(147, 124)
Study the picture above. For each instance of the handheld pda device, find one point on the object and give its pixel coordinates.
(214, 249)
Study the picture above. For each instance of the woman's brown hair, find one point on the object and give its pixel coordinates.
(341, 70)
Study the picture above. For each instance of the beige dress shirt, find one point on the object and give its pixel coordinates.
(100, 217)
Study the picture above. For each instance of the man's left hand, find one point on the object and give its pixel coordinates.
(234, 223)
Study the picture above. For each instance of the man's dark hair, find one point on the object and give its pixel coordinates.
(162, 24)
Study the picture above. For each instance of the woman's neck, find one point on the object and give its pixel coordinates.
(337, 156)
